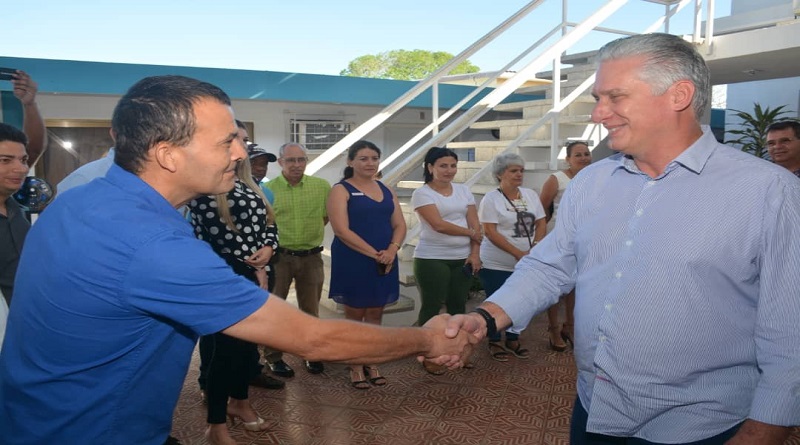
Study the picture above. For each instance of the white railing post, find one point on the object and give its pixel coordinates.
(372, 123)
(435, 107)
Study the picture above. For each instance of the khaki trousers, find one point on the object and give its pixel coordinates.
(308, 275)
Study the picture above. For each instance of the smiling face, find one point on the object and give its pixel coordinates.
(579, 157)
(208, 164)
(444, 169)
(626, 106)
(365, 163)
(13, 167)
(784, 148)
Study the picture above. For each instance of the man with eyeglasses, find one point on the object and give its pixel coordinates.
(301, 217)
(783, 145)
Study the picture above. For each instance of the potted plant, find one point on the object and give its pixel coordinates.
(752, 134)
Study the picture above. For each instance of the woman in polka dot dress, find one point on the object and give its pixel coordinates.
(240, 227)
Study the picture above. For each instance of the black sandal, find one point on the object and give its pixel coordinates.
(519, 351)
(498, 352)
(354, 379)
(374, 375)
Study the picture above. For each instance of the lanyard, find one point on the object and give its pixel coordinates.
(519, 217)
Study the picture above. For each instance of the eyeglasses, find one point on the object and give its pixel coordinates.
(301, 160)
(781, 141)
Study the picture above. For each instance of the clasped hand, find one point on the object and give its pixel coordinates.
(454, 338)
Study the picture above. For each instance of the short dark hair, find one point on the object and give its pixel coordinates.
(157, 109)
(783, 125)
(13, 134)
(431, 157)
(353, 150)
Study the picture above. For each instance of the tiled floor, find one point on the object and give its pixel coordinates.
(516, 402)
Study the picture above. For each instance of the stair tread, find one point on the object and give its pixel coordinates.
(574, 119)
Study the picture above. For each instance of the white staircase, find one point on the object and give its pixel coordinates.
(536, 128)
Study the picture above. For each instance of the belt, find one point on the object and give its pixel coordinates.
(300, 252)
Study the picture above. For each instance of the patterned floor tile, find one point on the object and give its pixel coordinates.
(515, 402)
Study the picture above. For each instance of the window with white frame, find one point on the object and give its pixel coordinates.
(318, 134)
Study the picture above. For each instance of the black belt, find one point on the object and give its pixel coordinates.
(300, 252)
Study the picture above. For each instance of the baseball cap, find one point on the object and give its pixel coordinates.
(254, 151)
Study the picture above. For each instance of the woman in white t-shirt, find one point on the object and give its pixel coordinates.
(513, 222)
(447, 255)
(578, 157)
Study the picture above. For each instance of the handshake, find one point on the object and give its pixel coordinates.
(452, 339)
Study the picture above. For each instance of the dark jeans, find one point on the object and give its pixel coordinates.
(491, 280)
(207, 347)
(579, 436)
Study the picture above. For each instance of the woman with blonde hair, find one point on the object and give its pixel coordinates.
(240, 227)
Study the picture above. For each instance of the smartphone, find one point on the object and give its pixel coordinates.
(7, 73)
(467, 269)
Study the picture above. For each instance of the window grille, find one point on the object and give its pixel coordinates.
(318, 134)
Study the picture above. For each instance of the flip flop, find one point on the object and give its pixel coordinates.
(498, 352)
(374, 377)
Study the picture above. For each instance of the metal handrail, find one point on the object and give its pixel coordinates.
(392, 176)
(372, 123)
(509, 86)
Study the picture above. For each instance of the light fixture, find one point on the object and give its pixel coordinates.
(67, 145)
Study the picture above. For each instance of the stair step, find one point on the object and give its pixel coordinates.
(499, 144)
(580, 119)
(520, 106)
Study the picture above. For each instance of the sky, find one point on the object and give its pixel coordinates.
(304, 36)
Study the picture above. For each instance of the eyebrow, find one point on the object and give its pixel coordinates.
(230, 137)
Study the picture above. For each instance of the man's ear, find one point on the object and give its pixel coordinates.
(683, 92)
(166, 156)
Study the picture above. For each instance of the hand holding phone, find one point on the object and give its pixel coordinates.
(468, 270)
(7, 73)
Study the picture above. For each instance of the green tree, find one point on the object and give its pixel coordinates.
(752, 131)
(401, 64)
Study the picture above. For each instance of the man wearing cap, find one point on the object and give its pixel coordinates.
(259, 158)
(301, 217)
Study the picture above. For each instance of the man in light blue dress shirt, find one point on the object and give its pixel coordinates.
(685, 256)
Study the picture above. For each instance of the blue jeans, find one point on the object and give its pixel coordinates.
(491, 280)
(579, 436)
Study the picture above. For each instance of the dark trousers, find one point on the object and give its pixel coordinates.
(491, 280)
(207, 347)
(579, 436)
(229, 373)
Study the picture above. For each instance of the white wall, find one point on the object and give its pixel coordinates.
(769, 93)
(270, 119)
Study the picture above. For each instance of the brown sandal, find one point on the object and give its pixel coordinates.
(374, 375)
(357, 378)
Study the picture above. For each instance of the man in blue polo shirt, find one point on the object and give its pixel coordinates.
(113, 288)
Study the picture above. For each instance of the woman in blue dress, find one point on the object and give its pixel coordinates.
(369, 227)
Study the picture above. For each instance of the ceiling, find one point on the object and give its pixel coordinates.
(759, 54)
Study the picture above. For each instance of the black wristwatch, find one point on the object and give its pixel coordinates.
(491, 325)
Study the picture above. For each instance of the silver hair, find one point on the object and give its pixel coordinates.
(668, 59)
(283, 148)
(502, 161)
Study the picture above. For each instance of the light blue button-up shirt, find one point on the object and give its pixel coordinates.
(687, 315)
